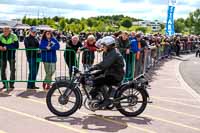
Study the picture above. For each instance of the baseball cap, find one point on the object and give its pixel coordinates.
(33, 29)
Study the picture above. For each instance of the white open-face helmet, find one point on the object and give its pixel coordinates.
(98, 44)
(107, 41)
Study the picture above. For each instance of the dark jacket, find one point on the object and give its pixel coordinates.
(143, 44)
(70, 46)
(11, 43)
(49, 55)
(70, 51)
(122, 45)
(31, 42)
(113, 65)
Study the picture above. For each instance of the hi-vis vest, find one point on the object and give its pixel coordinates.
(11, 39)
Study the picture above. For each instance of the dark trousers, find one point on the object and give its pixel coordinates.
(104, 80)
(139, 65)
(99, 82)
(33, 71)
(70, 59)
(87, 59)
(12, 71)
(198, 53)
(178, 48)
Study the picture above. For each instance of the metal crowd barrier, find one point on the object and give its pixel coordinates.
(18, 70)
(135, 66)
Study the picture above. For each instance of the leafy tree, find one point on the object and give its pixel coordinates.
(51, 23)
(62, 24)
(29, 21)
(194, 21)
(188, 22)
(90, 22)
(73, 20)
(179, 25)
(24, 20)
(56, 19)
(34, 22)
(67, 20)
(100, 23)
(126, 22)
(142, 29)
(162, 26)
(44, 20)
(101, 27)
(40, 21)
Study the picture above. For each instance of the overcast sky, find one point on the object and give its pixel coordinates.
(144, 9)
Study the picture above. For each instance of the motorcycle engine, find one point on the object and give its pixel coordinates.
(93, 104)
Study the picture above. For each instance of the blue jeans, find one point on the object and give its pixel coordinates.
(33, 71)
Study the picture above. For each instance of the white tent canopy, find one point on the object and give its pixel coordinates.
(45, 27)
(3, 25)
(21, 26)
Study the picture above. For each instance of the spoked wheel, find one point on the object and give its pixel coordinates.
(62, 105)
(133, 101)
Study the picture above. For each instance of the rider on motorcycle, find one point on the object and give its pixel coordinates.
(111, 69)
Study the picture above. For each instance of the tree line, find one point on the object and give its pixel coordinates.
(100, 23)
(190, 25)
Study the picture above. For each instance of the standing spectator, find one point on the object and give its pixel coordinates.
(158, 45)
(178, 46)
(132, 35)
(167, 48)
(117, 34)
(143, 52)
(9, 43)
(31, 42)
(148, 54)
(98, 36)
(136, 48)
(154, 44)
(89, 52)
(49, 45)
(21, 35)
(72, 47)
(123, 45)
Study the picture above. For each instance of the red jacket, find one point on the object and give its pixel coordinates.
(91, 48)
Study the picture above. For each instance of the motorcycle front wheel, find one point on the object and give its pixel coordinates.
(62, 105)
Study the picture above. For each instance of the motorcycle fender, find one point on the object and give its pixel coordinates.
(139, 88)
(146, 92)
(118, 90)
(68, 83)
(81, 98)
(132, 86)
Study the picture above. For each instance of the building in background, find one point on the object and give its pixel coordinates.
(155, 25)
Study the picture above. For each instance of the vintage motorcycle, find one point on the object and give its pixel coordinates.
(66, 95)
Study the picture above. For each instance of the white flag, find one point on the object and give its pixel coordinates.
(172, 2)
